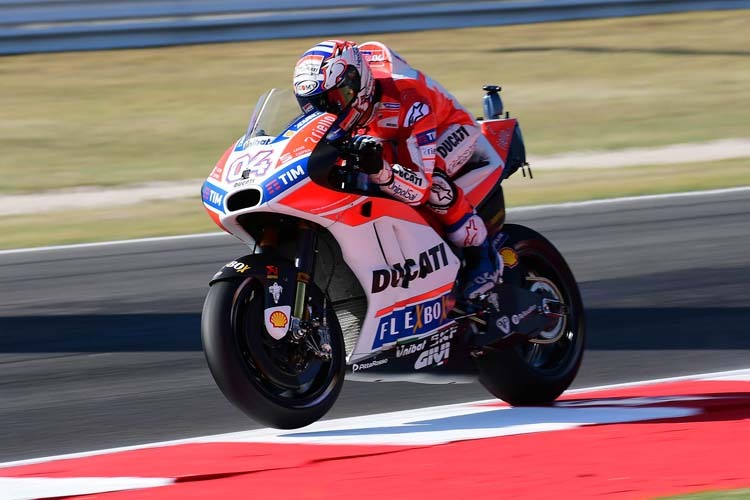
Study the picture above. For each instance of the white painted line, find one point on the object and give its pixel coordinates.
(96, 244)
(98, 197)
(724, 149)
(29, 488)
(572, 204)
(739, 374)
(631, 199)
(396, 418)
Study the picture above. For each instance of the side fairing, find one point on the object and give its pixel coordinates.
(405, 268)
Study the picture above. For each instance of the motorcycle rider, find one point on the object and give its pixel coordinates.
(409, 134)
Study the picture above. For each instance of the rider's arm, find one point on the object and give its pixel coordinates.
(408, 176)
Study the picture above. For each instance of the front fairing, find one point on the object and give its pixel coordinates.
(272, 159)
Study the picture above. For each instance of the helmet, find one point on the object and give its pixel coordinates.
(335, 78)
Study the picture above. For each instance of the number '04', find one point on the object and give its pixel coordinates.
(257, 164)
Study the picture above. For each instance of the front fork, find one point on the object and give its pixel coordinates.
(304, 325)
(305, 264)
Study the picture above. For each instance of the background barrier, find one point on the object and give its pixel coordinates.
(65, 25)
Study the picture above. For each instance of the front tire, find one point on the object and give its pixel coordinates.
(537, 373)
(271, 381)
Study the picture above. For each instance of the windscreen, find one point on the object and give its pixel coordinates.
(276, 109)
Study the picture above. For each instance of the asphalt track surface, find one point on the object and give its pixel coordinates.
(100, 346)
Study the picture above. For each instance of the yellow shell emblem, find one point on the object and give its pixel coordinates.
(510, 257)
(278, 319)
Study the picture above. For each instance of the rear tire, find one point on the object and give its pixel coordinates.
(529, 373)
(262, 376)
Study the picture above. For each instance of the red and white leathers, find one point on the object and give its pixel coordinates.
(427, 137)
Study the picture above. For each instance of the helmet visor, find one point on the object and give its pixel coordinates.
(334, 100)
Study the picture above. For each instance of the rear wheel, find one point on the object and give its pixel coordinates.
(280, 383)
(538, 371)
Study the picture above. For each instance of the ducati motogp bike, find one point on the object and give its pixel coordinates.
(341, 281)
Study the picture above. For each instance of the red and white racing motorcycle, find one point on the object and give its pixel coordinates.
(342, 278)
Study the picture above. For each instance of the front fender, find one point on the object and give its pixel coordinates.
(276, 274)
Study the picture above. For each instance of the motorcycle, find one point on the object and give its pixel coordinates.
(344, 282)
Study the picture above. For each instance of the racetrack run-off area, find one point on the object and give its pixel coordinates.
(94, 197)
(100, 348)
(632, 441)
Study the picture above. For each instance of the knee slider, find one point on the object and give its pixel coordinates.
(443, 193)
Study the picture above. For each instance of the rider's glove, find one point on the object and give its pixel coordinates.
(369, 153)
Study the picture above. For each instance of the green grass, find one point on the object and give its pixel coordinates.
(187, 216)
(742, 494)
(552, 186)
(163, 218)
(114, 117)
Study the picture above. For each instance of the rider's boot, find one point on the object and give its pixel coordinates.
(483, 266)
(483, 270)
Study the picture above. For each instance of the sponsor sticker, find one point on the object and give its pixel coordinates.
(503, 323)
(517, 318)
(213, 196)
(408, 176)
(275, 291)
(272, 272)
(448, 144)
(510, 257)
(442, 194)
(308, 67)
(417, 111)
(375, 57)
(240, 267)
(285, 179)
(277, 321)
(411, 269)
(438, 353)
(412, 320)
(305, 120)
(411, 348)
(427, 137)
(357, 367)
(305, 87)
(388, 122)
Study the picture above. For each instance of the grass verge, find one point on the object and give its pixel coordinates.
(129, 116)
(187, 216)
(553, 186)
(742, 494)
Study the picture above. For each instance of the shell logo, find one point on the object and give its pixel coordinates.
(278, 319)
(510, 257)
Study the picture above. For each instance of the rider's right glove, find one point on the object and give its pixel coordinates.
(369, 153)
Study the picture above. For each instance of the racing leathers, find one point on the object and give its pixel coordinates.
(427, 137)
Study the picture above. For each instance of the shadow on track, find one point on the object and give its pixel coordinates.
(609, 329)
(667, 328)
(101, 333)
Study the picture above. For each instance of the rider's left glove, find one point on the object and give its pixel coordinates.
(369, 153)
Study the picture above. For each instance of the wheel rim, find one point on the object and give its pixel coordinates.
(558, 346)
(555, 331)
(280, 369)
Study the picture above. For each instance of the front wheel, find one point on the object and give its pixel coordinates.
(538, 371)
(280, 383)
